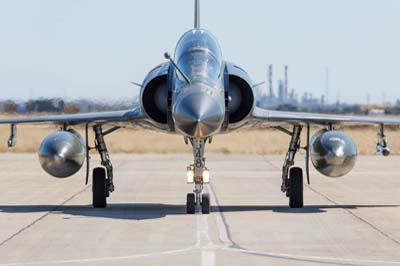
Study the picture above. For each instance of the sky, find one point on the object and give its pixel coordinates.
(94, 48)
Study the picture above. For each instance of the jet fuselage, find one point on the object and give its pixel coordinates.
(198, 102)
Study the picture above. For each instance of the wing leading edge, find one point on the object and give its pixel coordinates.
(261, 118)
(133, 116)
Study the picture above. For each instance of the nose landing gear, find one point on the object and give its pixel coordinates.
(198, 174)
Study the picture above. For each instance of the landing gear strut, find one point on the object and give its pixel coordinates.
(198, 174)
(292, 177)
(382, 143)
(102, 177)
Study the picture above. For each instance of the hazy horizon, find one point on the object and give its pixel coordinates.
(93, 49)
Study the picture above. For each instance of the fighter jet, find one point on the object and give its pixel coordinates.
(197, 94)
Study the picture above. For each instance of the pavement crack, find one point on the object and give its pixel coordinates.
(34, 222)
(377, 229)
(380, 231)
(223, 227)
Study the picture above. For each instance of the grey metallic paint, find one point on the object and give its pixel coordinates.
(62, 153)
(333, 153)
(199, 110)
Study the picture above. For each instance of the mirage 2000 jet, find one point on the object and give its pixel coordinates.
(198, 94)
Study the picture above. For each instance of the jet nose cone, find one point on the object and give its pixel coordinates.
(198, 115)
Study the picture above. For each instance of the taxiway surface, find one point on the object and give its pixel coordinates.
(353, 220)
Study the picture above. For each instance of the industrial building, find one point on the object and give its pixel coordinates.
(286, 98)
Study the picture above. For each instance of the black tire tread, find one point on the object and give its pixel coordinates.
(296, 188)
(205, 203)
(190, 203)
(99, 188)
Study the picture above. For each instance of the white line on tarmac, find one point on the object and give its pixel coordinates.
(204, 241)
(208, 248)
(92, 260)
(310, 258)
(225, 238)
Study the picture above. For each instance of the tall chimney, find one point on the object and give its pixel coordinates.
(286, 82)
(271, 88)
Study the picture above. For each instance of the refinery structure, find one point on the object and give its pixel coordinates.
(272, 95)
(288, 98)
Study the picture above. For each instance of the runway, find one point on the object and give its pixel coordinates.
(354, 220)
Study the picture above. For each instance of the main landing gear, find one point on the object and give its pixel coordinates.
(292, 177)
(102, 184)
(198, 174)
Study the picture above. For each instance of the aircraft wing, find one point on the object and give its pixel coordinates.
(261, 118)
(134, 116)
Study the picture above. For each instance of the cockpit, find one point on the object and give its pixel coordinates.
(199, 57)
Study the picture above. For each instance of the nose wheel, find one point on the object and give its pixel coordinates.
(205, 203)
(191, 203)
(198, 175)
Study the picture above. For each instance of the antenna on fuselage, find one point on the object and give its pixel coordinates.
(196, 14)
(137, 84)
(168, 56)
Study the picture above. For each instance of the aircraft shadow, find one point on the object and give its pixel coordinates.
(305, 209)
(124, 211)
(144, 211)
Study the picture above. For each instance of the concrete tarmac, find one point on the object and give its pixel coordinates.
(354, 220)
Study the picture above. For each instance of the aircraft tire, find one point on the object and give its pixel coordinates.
(99, 188)
(190, 203)
(296, 188)
(205, 203)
